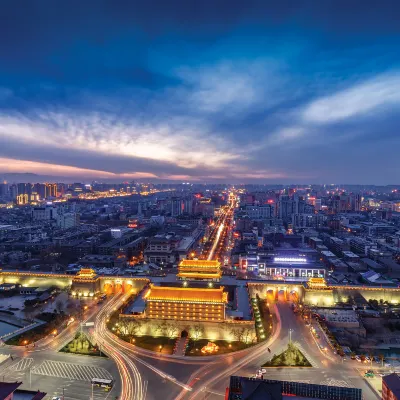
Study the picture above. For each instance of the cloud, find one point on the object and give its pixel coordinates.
(176, 141)
(371, 95)
(231, 87)
(13, 165)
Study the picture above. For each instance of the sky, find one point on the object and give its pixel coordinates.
(211, 91)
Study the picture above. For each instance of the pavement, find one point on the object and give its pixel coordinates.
(213, 379)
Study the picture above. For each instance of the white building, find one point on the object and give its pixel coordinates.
(68, 220)
(44, 213)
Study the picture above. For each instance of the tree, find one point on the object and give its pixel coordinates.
(171, 330)
(196, 332)
(381, 358)
(168, 329)
(130, 327)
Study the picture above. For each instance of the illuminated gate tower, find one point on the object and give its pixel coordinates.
(199, 270)
(194, 304)
(85, 283)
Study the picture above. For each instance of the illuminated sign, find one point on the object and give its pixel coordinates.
(290, 259)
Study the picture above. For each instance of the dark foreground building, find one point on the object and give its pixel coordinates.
(241, 388)
(10, 391)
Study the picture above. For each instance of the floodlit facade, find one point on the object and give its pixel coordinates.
(199, 270)
(188, 304)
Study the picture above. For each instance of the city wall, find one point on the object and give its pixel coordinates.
(62, 281)
(228, 330)
(284, 291)
(36, 280)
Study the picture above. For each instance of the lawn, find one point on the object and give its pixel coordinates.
(291, 357)
(82, 345)
(153, 343)
(194, 347)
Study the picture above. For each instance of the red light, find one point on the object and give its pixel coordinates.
(270, 201)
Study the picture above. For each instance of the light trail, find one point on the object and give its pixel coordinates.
(216, 241)
(219, 232)
(131, 380)
(125, 349)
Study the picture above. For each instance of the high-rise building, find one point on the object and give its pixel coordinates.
(4, 189)
(67, 220)
(176, 207)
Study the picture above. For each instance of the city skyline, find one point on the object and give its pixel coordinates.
(241, 94)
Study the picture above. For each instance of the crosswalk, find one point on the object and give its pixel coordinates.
(22, 365)
(306, 355)
(336, 382)
(77, 372)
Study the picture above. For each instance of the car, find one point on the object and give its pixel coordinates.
(56, 398)
(367, 360)
(263, 370)
(358, 358)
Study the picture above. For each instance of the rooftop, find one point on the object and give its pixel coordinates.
(200, 264)
(392, 381)
(187, 294)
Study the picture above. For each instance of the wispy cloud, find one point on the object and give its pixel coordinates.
(231, 87)
(360, 99)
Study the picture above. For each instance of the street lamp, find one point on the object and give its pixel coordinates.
(160, 347)
(290, 335)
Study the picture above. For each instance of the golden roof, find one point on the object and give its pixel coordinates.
(200, 264)
(187, 294)
(317, 282)
(199, 275)
(86, 273)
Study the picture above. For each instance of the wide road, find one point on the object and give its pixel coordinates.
(219, 231)
(211, 380)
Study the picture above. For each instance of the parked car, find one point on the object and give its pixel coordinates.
(358, 358)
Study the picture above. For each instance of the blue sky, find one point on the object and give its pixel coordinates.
(236, 91)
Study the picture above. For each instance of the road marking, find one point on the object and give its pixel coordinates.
(306, 355)
(22, 364)
(336, 382)
(77, 372)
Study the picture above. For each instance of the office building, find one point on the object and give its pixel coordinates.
(68, 220)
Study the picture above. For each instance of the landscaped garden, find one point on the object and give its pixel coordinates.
(160, 344)
(291, 357)
(262, 318)
(82, 345)
(194, 347)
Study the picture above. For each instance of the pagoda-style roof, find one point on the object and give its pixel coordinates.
(86, 273)
(187, 294)
(206, 264)
(202, 275)
(317, 283)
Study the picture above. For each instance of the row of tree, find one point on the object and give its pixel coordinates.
(171, 329)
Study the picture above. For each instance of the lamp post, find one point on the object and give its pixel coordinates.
(290, 335)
